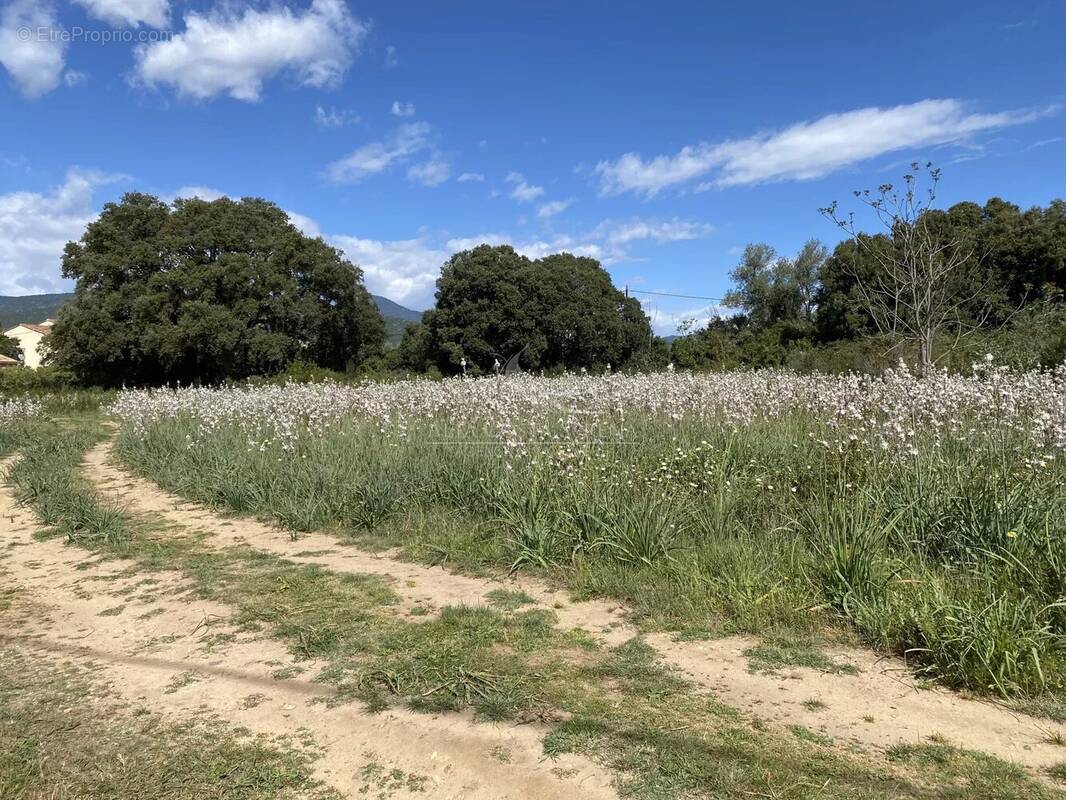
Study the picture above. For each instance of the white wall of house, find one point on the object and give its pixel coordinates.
(31, 343)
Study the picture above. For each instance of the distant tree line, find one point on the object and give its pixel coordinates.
(207, 291)
(815, 309)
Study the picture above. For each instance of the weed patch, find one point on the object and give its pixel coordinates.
(775, 654)
(62, 737)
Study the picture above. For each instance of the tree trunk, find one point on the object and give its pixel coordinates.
(928, 337)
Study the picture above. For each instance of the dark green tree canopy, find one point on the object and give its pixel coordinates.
(9, 347)
(207, 291)
(557, 311)
(789, 306)
(1022, 257)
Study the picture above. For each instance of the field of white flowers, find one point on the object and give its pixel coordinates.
(926, 514)
(16, 415)
(18, 410)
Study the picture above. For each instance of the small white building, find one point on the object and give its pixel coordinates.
(31, 342)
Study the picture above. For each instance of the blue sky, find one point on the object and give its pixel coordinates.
(660, 138)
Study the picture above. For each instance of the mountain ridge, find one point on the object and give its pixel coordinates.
(38, 307)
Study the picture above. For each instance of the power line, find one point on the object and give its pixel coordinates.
(668, 294)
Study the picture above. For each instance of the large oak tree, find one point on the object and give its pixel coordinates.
(207, 291)
(558, 311)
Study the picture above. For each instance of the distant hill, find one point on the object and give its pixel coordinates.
(391, 309)
(397, 318)
(39, 307)
(30, 308)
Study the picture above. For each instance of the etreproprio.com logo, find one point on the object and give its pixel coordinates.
(91, 35)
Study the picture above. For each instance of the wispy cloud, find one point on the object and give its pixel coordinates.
(806, 150)
(549, 210)
(523, 191)
(610, 241)
(378, 156)
(406, 270)
(129, 13)
(1046, 142)
(666, 322)
(623, 232)
(471, 176)
(402, 109)
(430, 173)
(74, 77)
(334, 117)
(201, 192)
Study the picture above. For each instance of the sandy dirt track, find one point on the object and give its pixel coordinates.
(878, 707)
(153, 644)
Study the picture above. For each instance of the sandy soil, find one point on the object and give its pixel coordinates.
(157, 646)
(874, 709)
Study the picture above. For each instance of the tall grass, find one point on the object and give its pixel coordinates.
(46, 477)
(953, 557)
(620, 707)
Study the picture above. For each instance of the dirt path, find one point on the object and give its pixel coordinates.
(876, 708)
(416, 585)
(164, 651)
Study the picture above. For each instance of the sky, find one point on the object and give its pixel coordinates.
(658, 138)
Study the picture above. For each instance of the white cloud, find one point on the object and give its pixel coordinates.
(34, 227)
(666, 322)
(391, 57)
(202, 192)
(1046, 142)
(621, 233)
(35, 62)
(523, 192)
(405, 270)
(806, 150)
(232, 52)
(564, 244)
(306, 225)
(19, 162)
(73, 77)
(334, 117)
(471, 176)
(431, 173)
(632, 173)
(609, 242)
(402, 109)
(534, 248)
(375, 157)
(549, 210)
(129, 13)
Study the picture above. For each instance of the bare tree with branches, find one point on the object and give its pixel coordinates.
(928, 282)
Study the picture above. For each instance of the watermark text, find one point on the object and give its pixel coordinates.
(78, 34)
